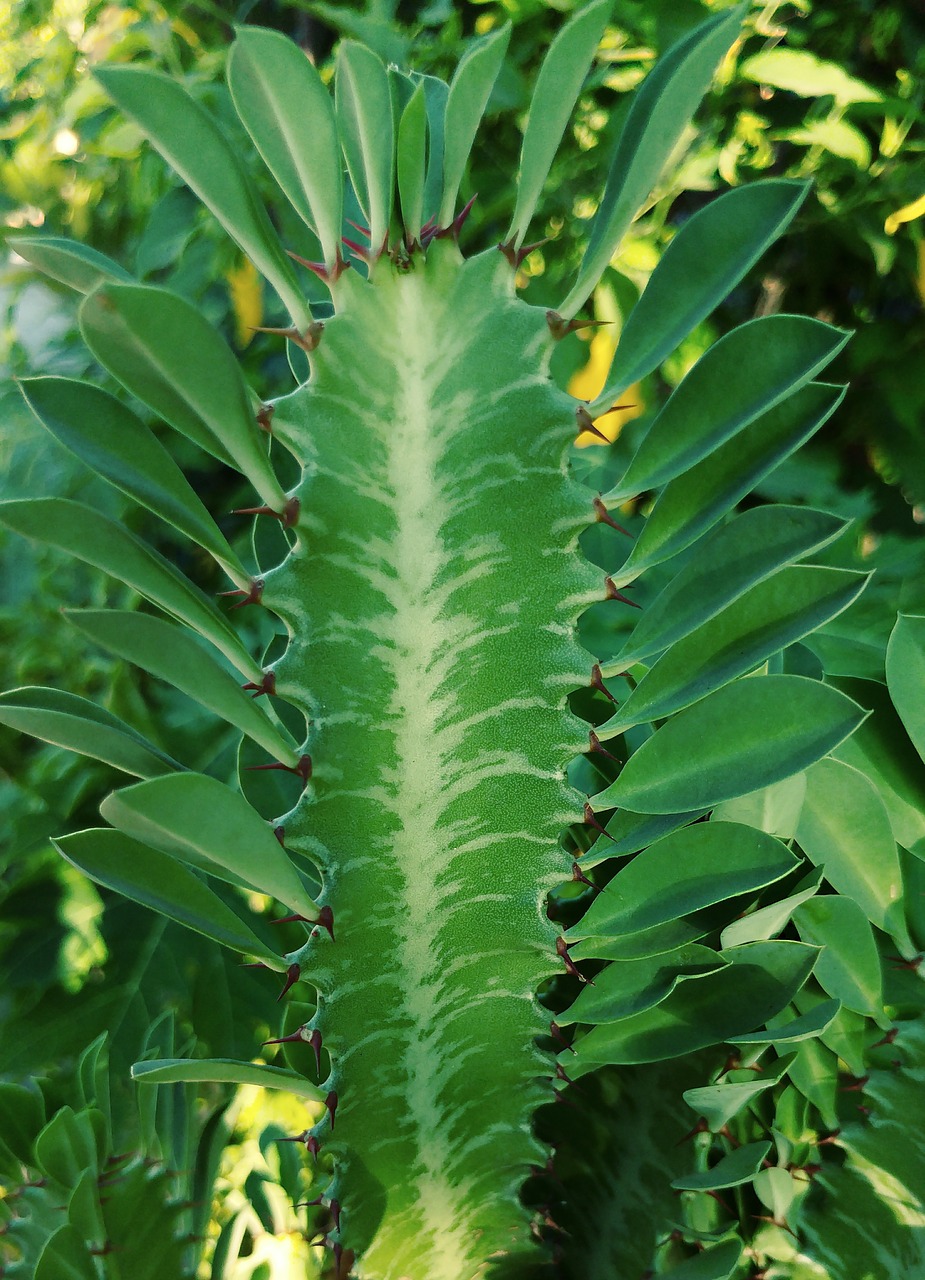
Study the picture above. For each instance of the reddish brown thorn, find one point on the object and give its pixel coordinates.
(326, 920)
(296, 1137)
(458, 222)
(312, 1146)
(715, 1195)
(614, 594)
(865, 1111)
(853, 1084)
(319, 269)
(293, 973)
(331, 1103)
(556, 1032)
(597, 682)
(307, 339)
(252, 596)
(310, 1204)
(296, 1037)
(315, 1041)
(265, 417)
(253, 964)
(809, 1169)
(280, 833)
(597, 745)
(364, 231)
(604, 517)
(104, 1250)
(302, 770)
(888, 1038)
(734, 1063)
(830, 1139)
(570, 966)
(516, 256)
(615, 408)
(592, 821)
(700, 1127)
(288, 517)
(912, 964)
(586, 423)
(559, 327)
(295, 918)
(362, 251)
(267, 684)
(580, 878)
(334, 1206)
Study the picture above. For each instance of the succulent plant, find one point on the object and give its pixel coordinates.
(472, 708)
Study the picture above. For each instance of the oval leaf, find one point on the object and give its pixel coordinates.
(224, 1071)
(629, 986)
(748, 735)
(364, 118)
(905, 675)
(849, 964)
(411, 164)
(718, 1103)
(470, 90)
(69, 262)
(738, 1167)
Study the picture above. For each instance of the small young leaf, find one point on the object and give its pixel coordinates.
(691, 504)
(626, 987)
(685, 872)
(736, 1168)
(707, 258)
(109, 546)
(225, 1071)
(108, 437)
(645, 943)
(661, 110)
(145, 336)
(557, 87)
(288, 112)
(364, 118)
(217, 825)
(767, 922)
(629, 832)
(743, 376)
(717, 1263)
(806, 1027)
(411, 163)
(733, 558)
(775, 612)
(849, 964)
(845, 829)
(193, 144)
(905, 675)
(754, 732)
(80, 725)
(470, 90)
(718, 1103)
(160, 882)
(68, 261)
(172, 654)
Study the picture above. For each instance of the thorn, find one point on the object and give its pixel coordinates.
(830, 1139)
(265, 417)
(293, 974)
(597, 745)
(888, 1038)
(592, 821)
(280, 833)
(604, 517)
(302, 770)
(295, 918)
(267, 684)
(253, 964)
(559, 327)
(335, 1213)
(296, 1137)
(809, 1169)
(580, 878)
(570, 966)
(853, 1084)
(320, 270)
(516, 256)
(734, 1063)
(307, 339)
(597, 682)
(364, 231)
(251, 596)
(614, 594)
(326, 920)
(312, 1146)
(559, 1096)
(297, 1035)
(700, 1127)
(315, 1041)
(287, 517)
(586, 423)
(331, 1103)
(912, 964)
(458, 222)
(362, 251)
(556, 1032)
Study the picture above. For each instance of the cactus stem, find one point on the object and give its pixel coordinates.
(307, 339)
(293, 974)
(265, 417)
(330, 1103)
(251, 596)
(597, 682)
(267, 684)
(302, 770)
(604, 517)
(516, 256)
(586, 423)
(570, 965)
(614, 594)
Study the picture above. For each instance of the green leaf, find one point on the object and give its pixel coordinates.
(287, 110)
(840, 137)
(79, 725)
(736, 1168)
(109, 438)
(772, 614)
(557, 87)
(760, 980)
(777, 1190)
(718, 1103)
(629, 832)
(109, 546)
(767, 922)
(22, 1117)
(144, 337)
(364, 118)
(68, 261)
(411, 163)
(685, 872)
(801, 72)
(65, 1256)
(691, 504)
(845, 829)
(645, 943)
(660, 113)
(707, 258)
(224, 1071)
(743, 376)
(160, 882)
(67, 1146)
(849, 964)
(172, 654)
(194, 145)
(905, 675)
(717, 1263)
(217, 825)
(733, 558)
(470, 90)
(775, 809)
(754, 732)
(806, 1027)
(435, 96)
(629, 986)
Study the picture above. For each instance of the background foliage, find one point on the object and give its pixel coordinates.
(819, 90)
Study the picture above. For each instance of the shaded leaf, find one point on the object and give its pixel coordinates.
(849, 963)
(736, 1168)
(225, 1071)
(470, 89)
(718, 1103)
(68, 261)
(629, 986)
(411, 163)
(366, 127)
(905, 675)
